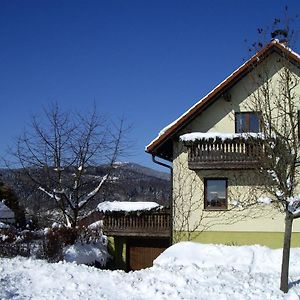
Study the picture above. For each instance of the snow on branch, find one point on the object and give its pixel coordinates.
(49, 194)
(274, 176)
(56, 197)
(294, 205)
(264, 200)
(92, 193)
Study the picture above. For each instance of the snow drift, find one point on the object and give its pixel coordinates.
(184, 271)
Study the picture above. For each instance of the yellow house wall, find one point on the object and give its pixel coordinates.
(219, 116)
(188, 185)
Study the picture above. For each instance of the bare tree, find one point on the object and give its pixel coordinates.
(277, 99)
(56, 151)
(185, 205)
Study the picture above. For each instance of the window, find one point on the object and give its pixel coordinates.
(247, 122)
(215, 193)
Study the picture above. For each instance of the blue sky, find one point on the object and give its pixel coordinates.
(147, 60)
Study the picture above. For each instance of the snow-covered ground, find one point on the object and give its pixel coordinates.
(184, 271)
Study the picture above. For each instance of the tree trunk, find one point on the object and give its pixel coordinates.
(284, 281)
(74, 219)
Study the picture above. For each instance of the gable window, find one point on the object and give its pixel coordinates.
(247, 122)
(215, 193)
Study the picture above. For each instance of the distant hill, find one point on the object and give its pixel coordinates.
(145, 171)
(129, 182)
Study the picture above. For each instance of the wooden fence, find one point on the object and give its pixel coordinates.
(155, 224)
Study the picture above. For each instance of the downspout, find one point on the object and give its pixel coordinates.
(171, 193)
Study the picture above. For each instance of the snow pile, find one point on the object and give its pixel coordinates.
(90, 246)
(184, 271)
(191, 137)
(126, 206)
(253, 259)
(87, 253)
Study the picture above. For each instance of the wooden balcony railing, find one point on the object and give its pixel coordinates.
(234, 153)
(156, 224)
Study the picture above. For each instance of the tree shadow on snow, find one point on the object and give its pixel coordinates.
(294, 283)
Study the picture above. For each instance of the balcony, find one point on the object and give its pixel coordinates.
(215, 153)
(146, 224)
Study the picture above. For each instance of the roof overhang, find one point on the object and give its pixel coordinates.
(162, 145)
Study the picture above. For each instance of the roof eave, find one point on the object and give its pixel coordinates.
(156, 144)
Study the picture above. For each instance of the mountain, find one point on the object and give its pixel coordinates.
(128, 182)
(145, 171)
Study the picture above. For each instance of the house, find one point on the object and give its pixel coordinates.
(6, 214)
(213, 160)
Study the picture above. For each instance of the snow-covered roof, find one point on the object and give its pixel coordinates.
(6, 212)
(126, 206)
(193, 136)
(166, 132)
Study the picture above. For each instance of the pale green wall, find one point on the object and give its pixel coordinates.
(188, 184)
(117, 249)
(235, 238)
